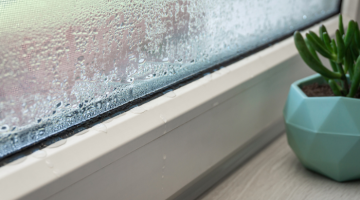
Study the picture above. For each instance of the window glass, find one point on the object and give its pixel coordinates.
(64, 62)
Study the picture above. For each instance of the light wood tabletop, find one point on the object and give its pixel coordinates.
(275, 173)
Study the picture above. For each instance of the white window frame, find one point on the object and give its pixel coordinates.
(162, 148)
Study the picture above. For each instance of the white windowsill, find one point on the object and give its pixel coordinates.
(84, 154)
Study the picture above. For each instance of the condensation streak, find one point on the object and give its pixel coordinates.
(63, 62)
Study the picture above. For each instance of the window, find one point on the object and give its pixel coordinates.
(64, 63)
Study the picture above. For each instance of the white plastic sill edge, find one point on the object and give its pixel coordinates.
(105, 143)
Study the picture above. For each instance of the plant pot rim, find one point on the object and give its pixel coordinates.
(296, 86)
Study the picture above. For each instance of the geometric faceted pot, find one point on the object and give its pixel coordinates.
(324, 132)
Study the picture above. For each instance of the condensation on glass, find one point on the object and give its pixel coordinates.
(63, 62)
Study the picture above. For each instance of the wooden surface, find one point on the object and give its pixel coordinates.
(275, 173)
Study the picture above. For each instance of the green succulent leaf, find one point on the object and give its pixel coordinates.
(349, 33)
(335, 87)
(310, 60)
(312, 50)
(340, 47)
(354, 51)
(322, 31)
(345, 83)
(355, 80)
(327, 42)
(341, 25)
(319, 46)
(333, 66)
(316, 37)
(333, 45)
(349, 63)
(357, 35)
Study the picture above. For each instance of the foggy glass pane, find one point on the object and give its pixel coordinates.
(63, 62)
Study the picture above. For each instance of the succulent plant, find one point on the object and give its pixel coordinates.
(342, 53)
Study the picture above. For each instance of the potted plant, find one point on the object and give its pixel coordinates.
(322, 112)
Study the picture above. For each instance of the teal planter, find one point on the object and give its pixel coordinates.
(324, 132)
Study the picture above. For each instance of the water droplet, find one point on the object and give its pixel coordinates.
(163, 118)
(81, 58)
(130, 80)
(56, 172)
(49, 163)
(149, 76)
(165, 59)
(304, 17)
(4, 128)
(170, 94)
(100, 127)
(137, 110)
(39, 154)
(164, 157)
(57, 144)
